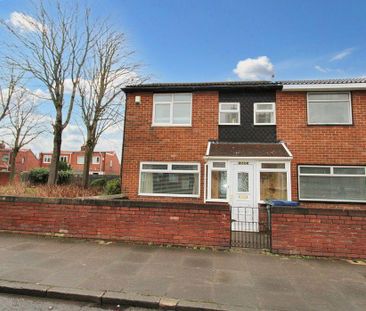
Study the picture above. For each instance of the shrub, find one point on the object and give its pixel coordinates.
(64, 177)
(63, 166)
(38, 175)
(98, 183)
(113, 186)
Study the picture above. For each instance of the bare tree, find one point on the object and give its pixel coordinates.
(101, 96)
(53, 48)
(25, 125)
(10, 81)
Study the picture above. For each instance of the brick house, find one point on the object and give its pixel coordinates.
(103, 162)
(25, 160)
(247, 142)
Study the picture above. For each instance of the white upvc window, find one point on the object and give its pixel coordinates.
(80, 160)
(64, 159)
(96, 160)
(172, 109)
(217, 183)
(264, 113)
(229, 113)
(274, 181)
(332, 183)
(47, 158)
(329, 108)
(169, 179)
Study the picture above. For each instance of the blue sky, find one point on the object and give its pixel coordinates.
(203, 40)
(217, 40)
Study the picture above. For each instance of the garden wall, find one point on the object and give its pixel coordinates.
(145, 222)
(319, 232)
(4, 178)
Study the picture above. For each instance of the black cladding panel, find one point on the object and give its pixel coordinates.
(247, 131)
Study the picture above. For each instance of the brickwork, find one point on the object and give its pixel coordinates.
(319, 232)
(4, 178)
(158, 223)
(143, 142)
(319, 144)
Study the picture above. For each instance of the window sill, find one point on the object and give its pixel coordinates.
(168, 195)
(171, 125)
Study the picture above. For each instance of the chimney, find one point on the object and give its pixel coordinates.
(2, 145)
(82, 148)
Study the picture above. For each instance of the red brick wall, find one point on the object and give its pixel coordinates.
(184, 224)
(319, 232)
(316, 144)
(142, 142)
(4, 178)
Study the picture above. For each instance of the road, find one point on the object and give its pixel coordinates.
(14, 302)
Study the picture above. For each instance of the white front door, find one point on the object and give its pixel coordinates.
(244, 210)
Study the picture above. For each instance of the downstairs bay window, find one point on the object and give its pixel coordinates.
(169, 179)
(273, 181)
(332, 183)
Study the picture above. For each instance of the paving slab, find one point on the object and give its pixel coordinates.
(220, 280)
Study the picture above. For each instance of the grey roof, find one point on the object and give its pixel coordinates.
(326, 81)
(225, 149)
(203, 86)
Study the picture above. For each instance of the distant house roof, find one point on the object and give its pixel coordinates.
(196, 86)
(248, 150)
(326, 81)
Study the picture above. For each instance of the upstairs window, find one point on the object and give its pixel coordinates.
(46, 159)
(96, 160)
(264, 113)
(229, 114)
(64, 159)
(80, 160)
(329, 108)
(172, 109)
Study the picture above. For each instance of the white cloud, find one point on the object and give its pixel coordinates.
(23, 22)
(342, 54)
(259, 68)
(321, 69)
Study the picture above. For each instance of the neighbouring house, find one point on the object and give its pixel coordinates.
(25, 160)
(247, 142)
(103, 162)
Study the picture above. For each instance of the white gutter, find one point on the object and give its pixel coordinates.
(324, 87)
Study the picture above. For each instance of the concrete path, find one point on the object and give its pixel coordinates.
(243, 280)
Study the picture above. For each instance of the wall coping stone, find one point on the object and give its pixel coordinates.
(317, 211)
(116, 203)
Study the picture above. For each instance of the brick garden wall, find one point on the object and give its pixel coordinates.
(145, 222)
(319, 232)
(4, 178)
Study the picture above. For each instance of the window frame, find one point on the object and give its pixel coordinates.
(95, 162)
(47, 156)
(333, 123)
(80, 157)
(211, 168)
(170, 170)
(229, 111)
(286, 169)
(171, 104)
(273, 110)
(64, 156)
(331, 174)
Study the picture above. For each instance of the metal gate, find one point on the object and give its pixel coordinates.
(251, 227)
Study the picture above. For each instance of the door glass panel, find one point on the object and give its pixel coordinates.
(243, 182)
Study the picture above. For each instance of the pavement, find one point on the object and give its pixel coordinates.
(181, 278)
(10, 302)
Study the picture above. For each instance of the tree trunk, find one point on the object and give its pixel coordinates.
(12, 164)
(88, 155)
(57, 140)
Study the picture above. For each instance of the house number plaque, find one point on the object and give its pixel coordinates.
(243, 163)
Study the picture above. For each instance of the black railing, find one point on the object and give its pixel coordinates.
(251, 227)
